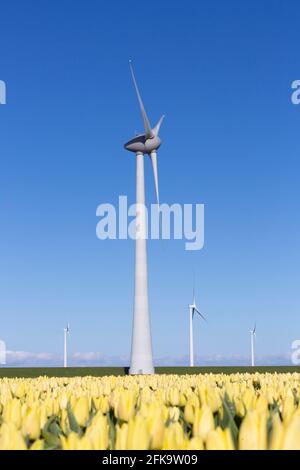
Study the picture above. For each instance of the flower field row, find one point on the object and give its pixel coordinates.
(211, 411)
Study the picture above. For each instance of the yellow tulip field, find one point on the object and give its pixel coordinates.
(187, 412)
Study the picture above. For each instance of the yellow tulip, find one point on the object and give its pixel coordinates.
(37, 445)
(11, 438)
(74, 442)
(288, 408)
(253, 431)
(203, 422)
(210, 396)
(195, 443)
(189, 409)
(291, 435)
(239, 407)
(12, 412)
(31, 424)
(174, 438)
(102, 404)
(20, 390)
(173, 397)
(155, 426)
(63, 402)
(174, 413)
(98, 432)
(64, 421)
(137, 435)
(261, 404)
(276, 433)
(121, 436)
(219, 439)
(81, 411)
(189, 412)
(43, 415)
(125, 406)
(182, 399)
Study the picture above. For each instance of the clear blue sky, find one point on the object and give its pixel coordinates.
(221, 72)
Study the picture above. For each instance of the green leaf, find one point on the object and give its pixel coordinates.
(74, 426)
(51, 441)
(51, 433)
(112, 430)
(228, 418)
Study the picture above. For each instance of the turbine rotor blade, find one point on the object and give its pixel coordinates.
(148, 131)
(157, 127)
(194, 300)
(153, 157)
(202, 316)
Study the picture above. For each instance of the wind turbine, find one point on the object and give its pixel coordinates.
(192, 310)
(66, 333)
(252, 336)
(143, 144)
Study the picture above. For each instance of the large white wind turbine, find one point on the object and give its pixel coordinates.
(143, 144)
(192, 310)
(66, 333)
(252, 336)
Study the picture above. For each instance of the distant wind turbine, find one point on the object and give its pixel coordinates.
(192, 309)
(252, 336)
(66, 334)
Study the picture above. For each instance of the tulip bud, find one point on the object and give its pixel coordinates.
(253, 431)
(219, 439)
(74, 442)
(291, 436)
(125, 406)
(155, 427)
(137, 435)
(98, 432)
(20, 390)
(195, 443)
(173, 397)
(37, 445)
(102, 404)
(63, 401)
(174, 413)
(203, 422)
(121, 436)
(64, 422)
(12, 412)
(11, 438)
(288, 408)
(81, 411)
(31, 424)
(174, 438)
(276, 433)
(213, 399)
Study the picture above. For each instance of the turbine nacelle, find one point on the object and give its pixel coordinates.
(193, 307)
(141, 144)
(253, 332)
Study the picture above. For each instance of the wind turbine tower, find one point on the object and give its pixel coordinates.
(143, 144)
(252, 336)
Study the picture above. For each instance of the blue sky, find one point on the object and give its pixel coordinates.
(222, 74)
